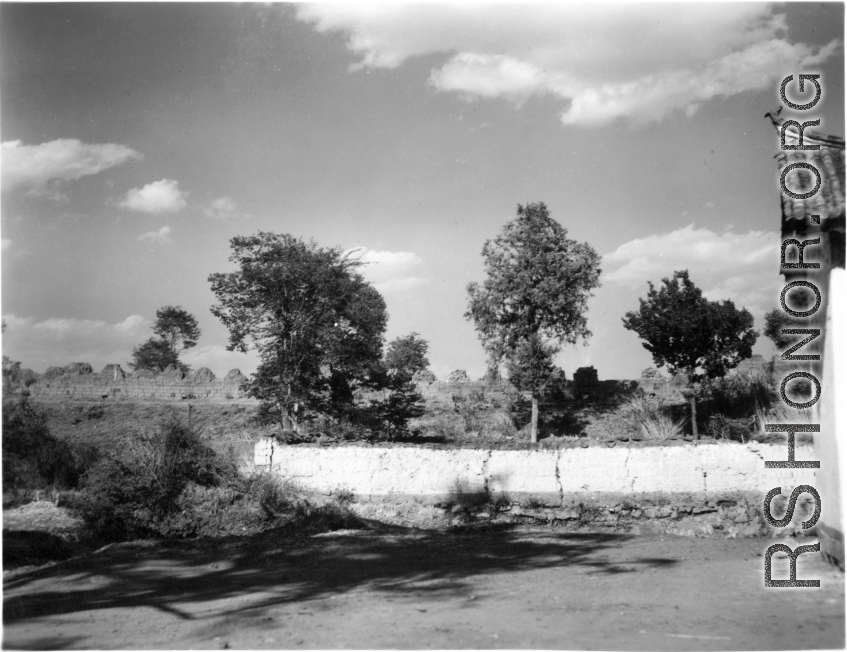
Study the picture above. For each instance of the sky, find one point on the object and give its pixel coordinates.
(139, 138)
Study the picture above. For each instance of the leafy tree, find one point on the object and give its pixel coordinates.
(317, 325)
(537, 288)
(177, 327)
(407, 354)
(156, 355)
(690, 334)
(176, 330)
(399, 402)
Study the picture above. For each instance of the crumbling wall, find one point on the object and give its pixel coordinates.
(78, 380)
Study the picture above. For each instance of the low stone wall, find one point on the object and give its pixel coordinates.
(705, 490)
(78, 380)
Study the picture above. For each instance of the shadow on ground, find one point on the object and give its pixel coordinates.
(274, 569)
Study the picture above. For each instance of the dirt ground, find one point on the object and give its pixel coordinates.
(501, 588)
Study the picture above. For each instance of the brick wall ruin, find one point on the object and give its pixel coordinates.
(78, 380)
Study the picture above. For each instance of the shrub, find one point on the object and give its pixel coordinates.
(138, 493)
(501, 423)
(642, 417)
(661, 427)
(441, 424)
(737, 396)
(32, 457)
(471, 407)
(721, 427)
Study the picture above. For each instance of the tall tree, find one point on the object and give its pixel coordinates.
(177, 327)
(176, 330)
(690, 334)
(316, 324)
(407, 354)
(535, 294)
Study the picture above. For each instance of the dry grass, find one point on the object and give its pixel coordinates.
(661, 427)
(639, 417)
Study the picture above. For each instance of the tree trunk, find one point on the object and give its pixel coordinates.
(533, 437)
(694, 430)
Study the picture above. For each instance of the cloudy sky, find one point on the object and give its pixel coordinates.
(137, 139)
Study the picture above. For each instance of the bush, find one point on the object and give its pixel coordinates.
(140, 493)
(736, 397)
(721, 427)
(642, 417)
(501, 423)
(35, 459)
(171, 484)
(440, 424)
(661, 427)
(471, 407)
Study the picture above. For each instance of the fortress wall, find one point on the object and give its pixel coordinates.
(113, 383)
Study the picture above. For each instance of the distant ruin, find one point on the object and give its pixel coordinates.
(78, 380)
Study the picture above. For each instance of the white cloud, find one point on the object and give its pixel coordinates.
(131, 324)
(389, 271)
(738, 266)
(162, 235)
(604, 61)
(158, 197)
(224, 208)
(219, 360)
(65, 159)
(59, 341)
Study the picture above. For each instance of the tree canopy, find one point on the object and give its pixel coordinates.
(317, 325)
(407, 354)
(155, 355)
(177, 327)
(690, 334)
(176, 330)
(535, 295)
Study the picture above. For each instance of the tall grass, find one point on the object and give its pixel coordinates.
(645, 418)
(661, 427)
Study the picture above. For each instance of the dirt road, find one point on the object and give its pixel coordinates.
(507, 588)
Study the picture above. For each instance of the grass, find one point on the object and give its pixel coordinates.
(639, 417)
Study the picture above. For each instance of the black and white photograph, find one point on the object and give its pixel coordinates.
(433, 325)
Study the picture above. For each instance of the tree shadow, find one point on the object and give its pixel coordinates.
(31, 548)
(275, 568)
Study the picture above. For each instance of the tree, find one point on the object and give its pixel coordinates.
(690, 334)
(176, 330)
(156, 355)
(530, 367)
(177, 327)
(317, 325)
(407, 354)
(535, 294)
